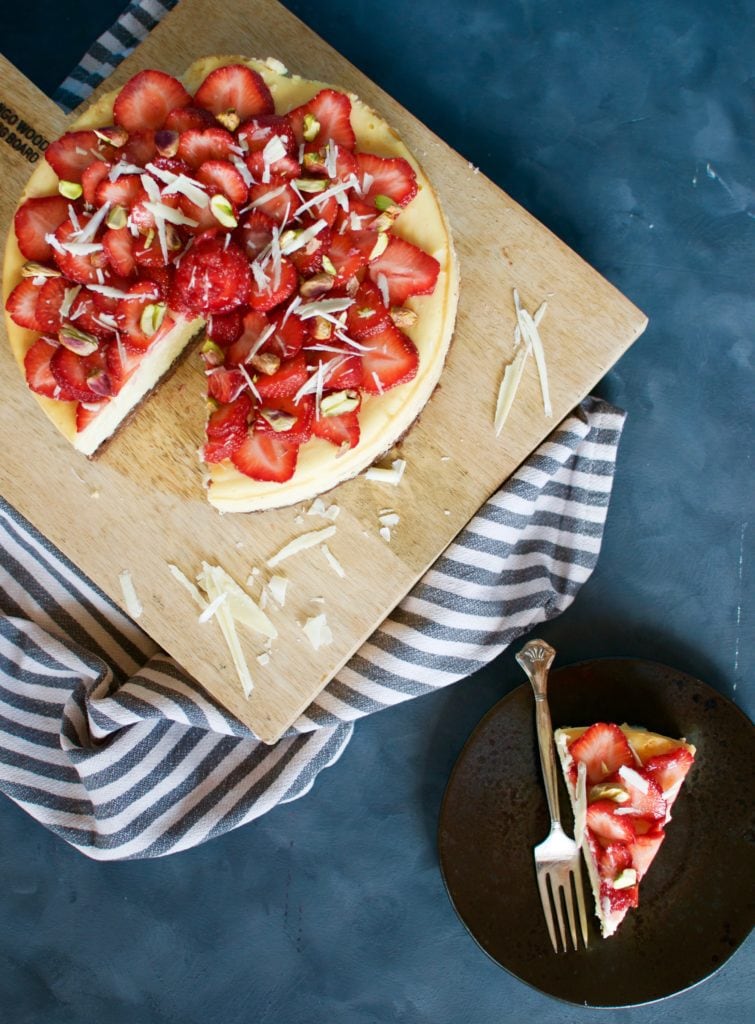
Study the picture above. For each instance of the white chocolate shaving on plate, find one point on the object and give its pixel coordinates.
(333, 562)
(277, 588)
(301, 543)
(526, 327)
(317, 631)
(387, 475)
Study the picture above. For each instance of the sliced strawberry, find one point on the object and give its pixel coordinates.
(140, 148)
(143, 217)
(644, 849)
(308, 259)
(392, 177)
(286, 167)
(91, 178)
(71, 154)
(368, 315)
(36, 218)
(613, 859)
(148, 254)
(129, 314)
(124, 191)
(341, 430)
(346, 256)
(86, 413)
(241, 349)
(119, 246)
(225, 328)
(333, 162)
(183, 119)
(668, 770)
(221, 176)
(286, 381)
(121, 364)
(235, 87)
(326, 209)
(256, 132)
(407, 269)
(202, 216)
(266, 457)
(73, 372)
(51, 296)
(276, 199)
(271, 294)
(289, 336)
(197, 146)
(224, 384)
(254, 233)
(332, 111)
(607, 826)
(392, 359)
(648, 805)
(213, 278)
(603, 748)
(85, 314)
(22, 304)
(39, 376)
(226, 429)
(82, 269)
(302, 413)
(620, 899)
(145, 101)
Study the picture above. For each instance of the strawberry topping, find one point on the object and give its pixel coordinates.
(236, 88)
(603, 748)
(266, 457)
(213, 278)
(35, 219)
(146, 100)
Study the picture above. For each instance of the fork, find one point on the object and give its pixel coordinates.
(557, 858)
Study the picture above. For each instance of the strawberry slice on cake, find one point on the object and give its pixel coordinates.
(622, 782)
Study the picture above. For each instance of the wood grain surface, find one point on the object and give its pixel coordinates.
(140, 504)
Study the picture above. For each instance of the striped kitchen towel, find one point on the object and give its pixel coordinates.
(106, 740)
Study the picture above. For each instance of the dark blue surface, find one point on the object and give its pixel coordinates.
(626, 127)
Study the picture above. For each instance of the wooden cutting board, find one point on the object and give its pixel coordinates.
(140, 504)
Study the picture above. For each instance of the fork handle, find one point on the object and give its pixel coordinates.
(536, 658)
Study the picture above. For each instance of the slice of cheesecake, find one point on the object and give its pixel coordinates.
(622, 783)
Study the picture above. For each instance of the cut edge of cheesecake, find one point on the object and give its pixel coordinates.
(644, 745)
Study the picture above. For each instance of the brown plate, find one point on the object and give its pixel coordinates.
(696, 903)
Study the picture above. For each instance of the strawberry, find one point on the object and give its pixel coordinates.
(302, 412)
(344, 371)
(225, 328)
(91, 178)
(264, 298)
(392, 359)
(82, 269)
(368, 315)
(644, 849)
(619, 899)
(73, 372)
(225, 385)
(650, 806)
(197, 145)
(140, 148)
(256, 132)
(183, 119)
(235, 87)
(338, 165)
(341, 430)
(124, 191)
(286, 381)
(119, 246)
(145, 101)
(603, 748)
(265, 457)
(39, 376)
(85, 314)
(51, 296)
(22, 304)
(289, 336)
(227, 429)
(221, 176)
(86, 413)
(148, 253)
(254, 233)
(121, 364)
(276, 199)
(213, 278)
(36, 218)
(332, 112)
(407, 269)
(285, 167)
(203, 217)
(612, 859)
(71, 154)
(607, 826)
(129, 314)
(308, 259)
(240, 350)
(668, 770)
(392, 177)
(346, 256)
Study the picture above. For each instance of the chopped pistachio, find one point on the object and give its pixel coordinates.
(339, 402)
(311, 184)
(114, 136)
(608, 791)
(212, 354)
(152, 317)
(117, 217)
(402, 316)
(310, 127)
(99, 382)
(70, 189)
(166, 142)
(625, 879)
(328, 266)
(381, 244)
(316, 285)
(229, 119)
(80, 342)
(32, 269)
(280, 421)
(222, 211)
(288, 236)
(312, 160)
(172, 237)
(266, 363)
(384, 202)
(322, 329)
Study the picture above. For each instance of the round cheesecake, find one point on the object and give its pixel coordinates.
(384, 417)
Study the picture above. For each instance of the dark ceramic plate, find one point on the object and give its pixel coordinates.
(696, 901)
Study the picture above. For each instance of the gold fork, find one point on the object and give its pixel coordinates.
(557, 859)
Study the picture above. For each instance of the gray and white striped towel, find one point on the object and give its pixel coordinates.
(104, 739)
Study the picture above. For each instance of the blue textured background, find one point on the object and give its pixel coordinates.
(627, 128)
